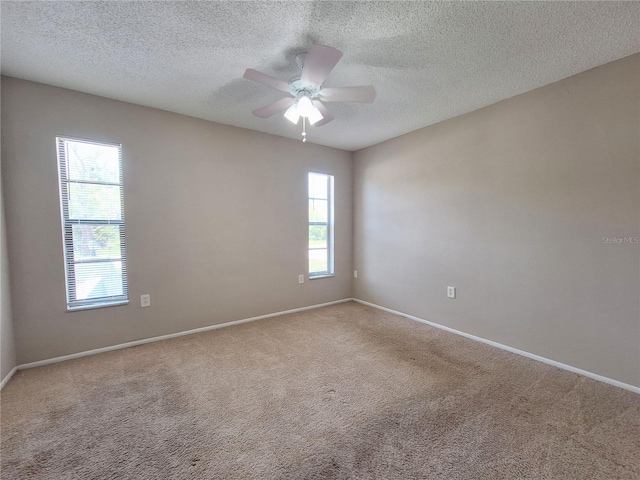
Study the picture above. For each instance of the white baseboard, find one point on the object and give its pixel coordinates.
(8, 377)
(532, 356)
(40, 363)
(579, 371)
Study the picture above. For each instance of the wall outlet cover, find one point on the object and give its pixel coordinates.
(145, 300)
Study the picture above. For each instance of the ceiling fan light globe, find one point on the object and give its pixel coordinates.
(305, 107)
(292, 114)
(315, 115)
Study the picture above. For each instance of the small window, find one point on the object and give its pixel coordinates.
(320, 225)
(92, 207)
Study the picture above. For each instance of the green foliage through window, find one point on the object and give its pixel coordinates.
(320, 224)
(91, 192)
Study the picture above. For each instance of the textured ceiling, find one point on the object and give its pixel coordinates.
(429, 61)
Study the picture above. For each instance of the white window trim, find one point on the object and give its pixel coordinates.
(67, 228)
(330, 272)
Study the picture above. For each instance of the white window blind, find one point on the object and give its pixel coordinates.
(92, 205)
(320, 224)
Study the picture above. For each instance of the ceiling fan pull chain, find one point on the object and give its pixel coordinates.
(304, 129)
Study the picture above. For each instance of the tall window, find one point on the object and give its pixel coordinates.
(320, 225)
(92, 223)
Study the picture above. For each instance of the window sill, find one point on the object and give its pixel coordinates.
(314, 277)
(97, 305)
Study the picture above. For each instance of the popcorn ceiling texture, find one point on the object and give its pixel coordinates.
(429, 61)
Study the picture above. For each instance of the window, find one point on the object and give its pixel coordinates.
(320, 225)
(92, 223)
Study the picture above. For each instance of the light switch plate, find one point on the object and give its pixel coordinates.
(451, 292)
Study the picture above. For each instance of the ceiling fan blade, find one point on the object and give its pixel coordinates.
(275, 107)
(318, 63)
(363, 94)
(326, 114)
(268, 80)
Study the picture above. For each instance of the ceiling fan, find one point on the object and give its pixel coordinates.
(307, 93)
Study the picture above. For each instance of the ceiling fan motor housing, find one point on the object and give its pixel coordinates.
(298, 88)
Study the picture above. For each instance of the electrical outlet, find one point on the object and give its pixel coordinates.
(145, 300)
(300, 278)
(451, 292)
(355, 274)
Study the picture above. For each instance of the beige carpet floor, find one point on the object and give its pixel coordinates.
(342, 392)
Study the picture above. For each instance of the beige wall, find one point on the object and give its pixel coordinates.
(510, 205)
(7, 343)
(216, 220)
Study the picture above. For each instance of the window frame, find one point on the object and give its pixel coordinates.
(68, 223)
(330, 272)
